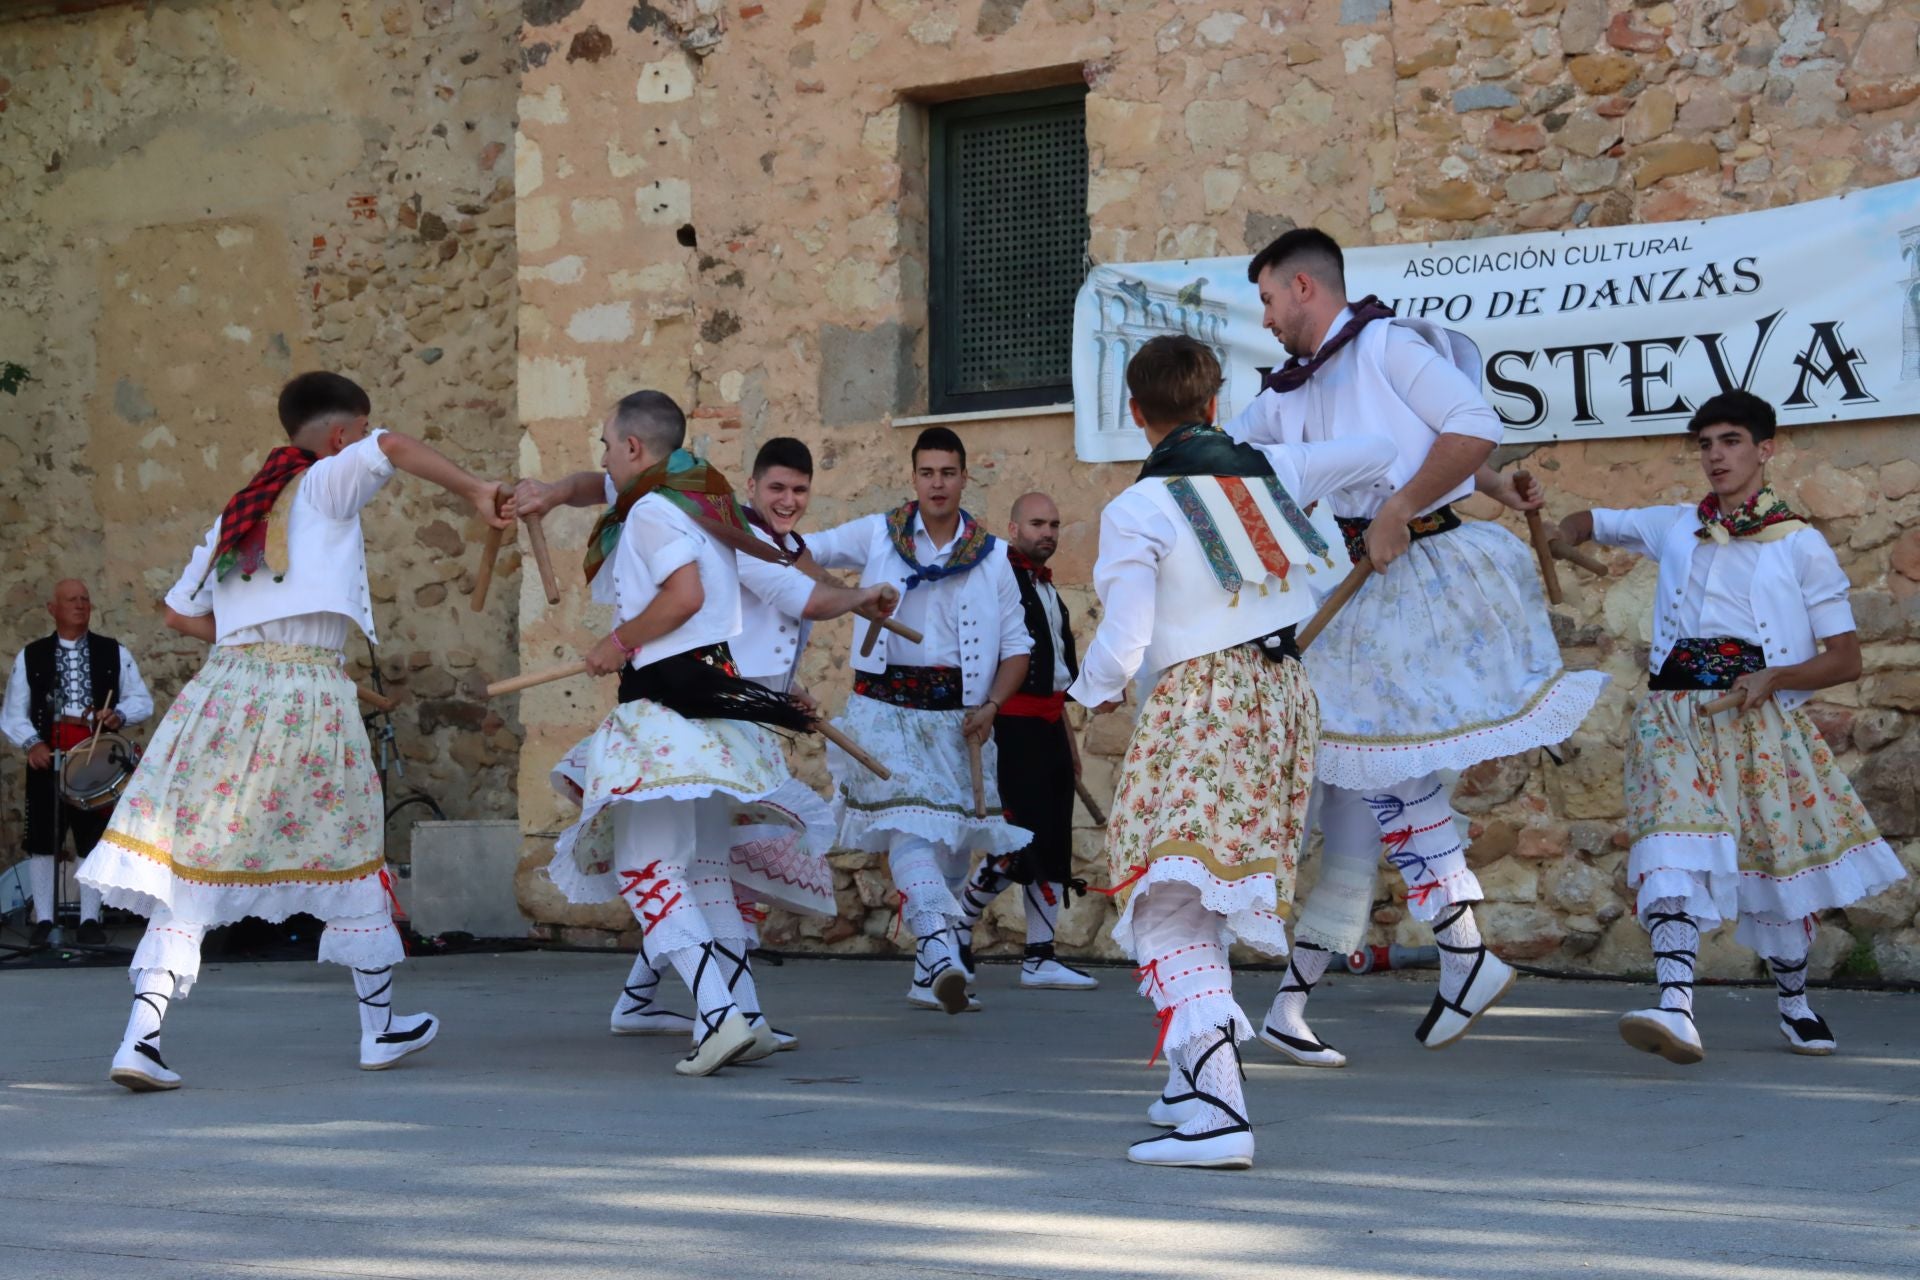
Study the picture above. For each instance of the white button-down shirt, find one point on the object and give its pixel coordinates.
(657, 540)
(1050, 607)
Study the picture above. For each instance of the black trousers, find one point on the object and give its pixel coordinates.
(1036, 789)
(86, 827)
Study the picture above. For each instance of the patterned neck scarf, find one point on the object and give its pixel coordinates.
(759, 522)
(1293, 375)
(969, 548)
(1763, 517)
(1018, 559)
(692, 484)
(244, 523)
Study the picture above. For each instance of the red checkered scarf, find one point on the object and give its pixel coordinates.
(243, 525)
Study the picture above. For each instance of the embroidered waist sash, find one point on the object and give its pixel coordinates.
(922, 688)
(1354, 528)
(1713, 663)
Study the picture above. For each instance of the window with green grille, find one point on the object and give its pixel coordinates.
(1008, 191)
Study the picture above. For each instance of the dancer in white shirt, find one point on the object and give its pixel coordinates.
(1742, 815)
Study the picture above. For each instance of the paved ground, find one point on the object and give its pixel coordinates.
(899, 1144)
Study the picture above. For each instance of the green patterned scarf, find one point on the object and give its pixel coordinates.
(688, 482)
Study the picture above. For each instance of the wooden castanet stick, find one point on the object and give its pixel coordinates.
(1093, 806)
(873, 634)
(514, 684)
(1336, 600)
(378, 701)
(853, 749)
(881, 622)
(488, 555)
(1542, 549)
(1725, 702)
(537, 540)
(1573, 555)
(979, 778)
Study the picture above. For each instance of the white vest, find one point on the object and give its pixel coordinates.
(1779, 607)
(1193, 614)
(978, 623)
(326, 573)
(770, 642)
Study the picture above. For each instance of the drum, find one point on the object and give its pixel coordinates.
(94, 780)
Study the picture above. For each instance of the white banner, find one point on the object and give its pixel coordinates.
(1604, 332)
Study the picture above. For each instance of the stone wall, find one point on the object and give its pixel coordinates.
(199, 198)
(727, 202)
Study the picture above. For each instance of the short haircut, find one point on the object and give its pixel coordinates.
(783, 451)
(1735, 409)
(939, 440)
(319, 394)
(1307, 249)
(1172, 377)
(1031, 494)
(654, 418)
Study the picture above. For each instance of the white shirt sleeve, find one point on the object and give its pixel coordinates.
(1439, 394)
(1259, 422)
(1641, 530)
(783, 588)
(843, 546)
(654, 548)
(342, 484)
(135, 704)
(1134, 539)
(1015, 639)
(192, 595)
(1312, 471)
(14, 719)
(1824, 586)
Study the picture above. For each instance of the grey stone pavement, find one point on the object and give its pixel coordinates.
(900, 1144)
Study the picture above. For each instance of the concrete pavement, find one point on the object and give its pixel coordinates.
(909, 1146)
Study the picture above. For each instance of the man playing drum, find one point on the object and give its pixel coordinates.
(55, 696)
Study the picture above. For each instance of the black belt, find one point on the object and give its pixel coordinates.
(1353, 529)
(1711, 663)
(704, 684)
(1278, 646)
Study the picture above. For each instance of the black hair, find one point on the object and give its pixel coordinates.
(318, 395)
(783, 451)
(1319, 252)
(1735, 409)
(939, 440)
(654, 417)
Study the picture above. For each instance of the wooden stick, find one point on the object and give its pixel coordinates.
(537, 540)
(98, 716)
(883, 623)
(1093, 807)
(1573, 555)
(852, 749)
(873, 634)
(979, 779)
(378, 701)
(488, 555)
(1542, 549)
(1725, 702)
(514, 684)
(1336, 600)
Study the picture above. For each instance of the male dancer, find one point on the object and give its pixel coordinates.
(257, 796)
(1039, 760)
(669, 779)
(54, 699)
(1741, 815)
(1202, 577)
(1444, 659)
(778, 606)
(918, 706)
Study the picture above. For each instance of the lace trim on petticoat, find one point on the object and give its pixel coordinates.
(137, 883)
(870, 829)
(1703, 869)
(1246, 905)
(1361, 764)
(370, 942)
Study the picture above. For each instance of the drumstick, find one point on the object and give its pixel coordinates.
(488, 555)
(1086, 798)
(979, 778)
(537, 539)
(1573, 555)
(852, 749)
(1725, 702)
(378, 701)
(514, 684)
(1542, 548)
(1336, 600)
(98, 716)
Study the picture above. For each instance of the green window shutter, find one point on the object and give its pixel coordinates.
(1008, 193)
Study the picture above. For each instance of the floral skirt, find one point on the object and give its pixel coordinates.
(1213, 792)
(643, 753)
(256, 797)
(1745, 816)
(1445, 660)
(930, 794)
